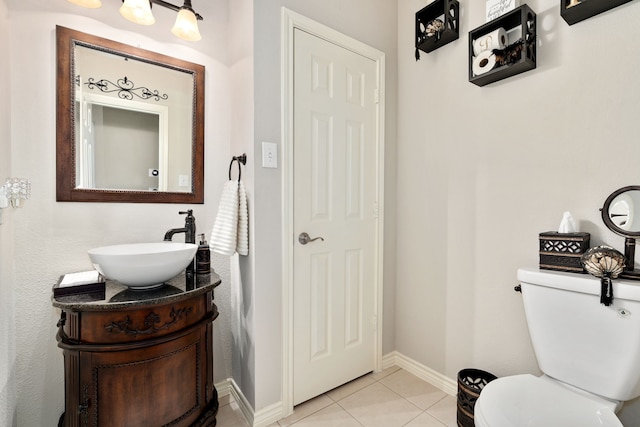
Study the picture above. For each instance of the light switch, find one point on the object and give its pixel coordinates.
(183, 180)
(269, 155)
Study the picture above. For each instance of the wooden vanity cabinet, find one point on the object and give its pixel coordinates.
(148, 365)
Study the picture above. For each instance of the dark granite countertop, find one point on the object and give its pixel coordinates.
(119, 296)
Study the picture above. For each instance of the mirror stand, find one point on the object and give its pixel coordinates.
(630, 255)
(630, 252)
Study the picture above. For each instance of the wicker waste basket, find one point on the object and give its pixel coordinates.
(470, 384)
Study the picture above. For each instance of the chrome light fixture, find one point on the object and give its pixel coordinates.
(139, 11)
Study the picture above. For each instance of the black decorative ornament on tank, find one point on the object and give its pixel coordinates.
(607, 264)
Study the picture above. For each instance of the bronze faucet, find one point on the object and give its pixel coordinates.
(189, 228)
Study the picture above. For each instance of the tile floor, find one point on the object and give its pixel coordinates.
(391, 398)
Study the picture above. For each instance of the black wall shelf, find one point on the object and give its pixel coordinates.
(522, 19)
(446, 11)
(586, 9)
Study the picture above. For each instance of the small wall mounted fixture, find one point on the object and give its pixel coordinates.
(139, 11)
(13, 193)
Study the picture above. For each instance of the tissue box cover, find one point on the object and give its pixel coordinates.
(87, 283)
(562, 251)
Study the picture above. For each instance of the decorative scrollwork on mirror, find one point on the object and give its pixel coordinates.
(111, 148)
(621, 214)
(125, 89)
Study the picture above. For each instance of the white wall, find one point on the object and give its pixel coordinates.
(8, 379)
(482, 171)
(242, 279)
(373, 23)
(52, 238)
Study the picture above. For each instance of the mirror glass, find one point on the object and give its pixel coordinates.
(621, 211)
(621, 214)
(130, 123)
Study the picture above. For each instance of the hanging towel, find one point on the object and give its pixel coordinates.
(230, 232)
(243, 221)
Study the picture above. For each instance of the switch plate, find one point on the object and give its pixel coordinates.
(183, 180)
(269, 155)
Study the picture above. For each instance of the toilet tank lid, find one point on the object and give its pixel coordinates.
(576, 282)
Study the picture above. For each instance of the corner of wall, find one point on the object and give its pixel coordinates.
(8, 416)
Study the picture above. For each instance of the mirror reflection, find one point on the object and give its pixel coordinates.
(133, 124)
(621, 214)
(130, 123)
(621, 211)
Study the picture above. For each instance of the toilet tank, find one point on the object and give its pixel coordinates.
(579, 341)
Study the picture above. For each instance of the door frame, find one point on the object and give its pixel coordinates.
(291, 21)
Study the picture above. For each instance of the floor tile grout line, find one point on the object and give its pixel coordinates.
(433, 415)
(411, 420)
(402, 397)
(378, 380)
(334, 403)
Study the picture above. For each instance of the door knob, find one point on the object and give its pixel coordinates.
(304, 238)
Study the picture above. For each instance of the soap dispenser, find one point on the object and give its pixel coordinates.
(203, 257)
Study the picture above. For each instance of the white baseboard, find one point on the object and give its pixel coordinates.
(269, 415)
(262, 418)
(434, 378)
(229, 387)
(274, 412)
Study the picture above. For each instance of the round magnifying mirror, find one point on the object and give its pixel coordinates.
(621, 211)
(621, 214)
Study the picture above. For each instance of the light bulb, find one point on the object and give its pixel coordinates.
(138, 11)
(186, 26)
(91, 4)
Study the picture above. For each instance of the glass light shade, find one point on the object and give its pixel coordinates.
(91, 4)
(138, 11)
(17, 190)
(186, 26)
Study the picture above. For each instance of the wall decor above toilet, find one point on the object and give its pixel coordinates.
(436, 25)
(503, 47)
(497, 8)
(574, 11)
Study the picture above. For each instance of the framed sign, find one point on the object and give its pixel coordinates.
(497, 8)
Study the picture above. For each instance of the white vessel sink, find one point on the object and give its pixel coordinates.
(142, 265)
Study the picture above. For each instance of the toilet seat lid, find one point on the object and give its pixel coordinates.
(526, 400)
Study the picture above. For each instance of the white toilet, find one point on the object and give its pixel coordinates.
(589, 354)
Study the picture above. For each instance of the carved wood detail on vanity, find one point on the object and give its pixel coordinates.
(125, 326)
(100, 327)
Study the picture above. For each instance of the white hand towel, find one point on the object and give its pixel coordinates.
(230, 232)
(224, 236)
(243, 222)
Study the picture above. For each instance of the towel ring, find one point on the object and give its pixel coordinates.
(240, 159)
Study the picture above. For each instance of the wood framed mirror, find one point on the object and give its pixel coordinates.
(130, 123)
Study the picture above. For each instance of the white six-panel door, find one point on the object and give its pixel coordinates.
(335, 190)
